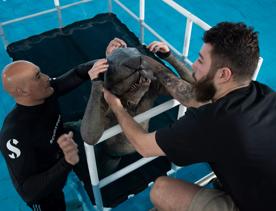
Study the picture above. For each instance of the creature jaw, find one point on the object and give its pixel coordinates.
(136, 92)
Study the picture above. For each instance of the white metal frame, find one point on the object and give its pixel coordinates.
(91, 160)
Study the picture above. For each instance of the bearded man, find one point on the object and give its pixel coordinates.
(234, 132)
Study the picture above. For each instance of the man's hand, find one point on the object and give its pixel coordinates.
(157, 46)
(114, 44)
(100, 66)
(113, 101)
(69, 148)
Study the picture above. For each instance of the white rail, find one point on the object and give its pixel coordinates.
(140, 118)
(187, 14)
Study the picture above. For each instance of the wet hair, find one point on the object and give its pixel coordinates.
(234, 46)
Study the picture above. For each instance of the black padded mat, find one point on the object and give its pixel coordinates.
(58, 50)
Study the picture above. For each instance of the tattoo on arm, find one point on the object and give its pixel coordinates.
(178, 88)
(181, 68)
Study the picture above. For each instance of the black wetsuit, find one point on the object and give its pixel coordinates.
(28, 141)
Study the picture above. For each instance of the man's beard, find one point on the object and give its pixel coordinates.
(204, 88)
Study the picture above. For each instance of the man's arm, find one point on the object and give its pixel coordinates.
(162, 50)
(40, 185)
(179, 66)
(31, 185)
(180, 89)
(144, 142)
(77, 75)
(72, 79)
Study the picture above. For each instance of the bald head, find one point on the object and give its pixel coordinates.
(24, 81)
(15, 75)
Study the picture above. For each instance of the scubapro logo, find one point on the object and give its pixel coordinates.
(15, 151)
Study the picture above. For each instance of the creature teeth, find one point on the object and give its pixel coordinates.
(134, 86)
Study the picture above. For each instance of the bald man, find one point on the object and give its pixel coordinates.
(39, 152)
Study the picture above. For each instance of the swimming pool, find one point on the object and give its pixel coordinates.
(259, 14)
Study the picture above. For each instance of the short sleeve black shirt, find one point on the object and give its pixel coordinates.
(236, 136)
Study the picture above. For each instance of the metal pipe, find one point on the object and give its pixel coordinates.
(260, 62)
(93, 172)
(206, 179)
(181, 111)
(110, 6)
(59, 18)
(187, 37)
(142, 32)
(162, 39)
(91, 160)
(57, 5)
(188, 14)
(141, 20)
(142, 10)
(2, 34)
(188, 61)
(98, 197)
(151, 30)
(43, 12)
(147, 27)
(127, 10)
(140, 118)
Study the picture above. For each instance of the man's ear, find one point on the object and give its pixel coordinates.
(224, 74)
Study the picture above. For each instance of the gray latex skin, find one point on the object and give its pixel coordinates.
(137, 81)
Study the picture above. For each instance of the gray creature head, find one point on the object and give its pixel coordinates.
(126, 77)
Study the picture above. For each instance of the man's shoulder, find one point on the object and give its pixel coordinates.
(194, 116)
(265, 96)
(262, 88)
(14, 124)
(205, 109)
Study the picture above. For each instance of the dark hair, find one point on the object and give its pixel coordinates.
(234, 46)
